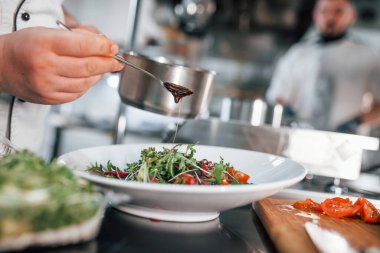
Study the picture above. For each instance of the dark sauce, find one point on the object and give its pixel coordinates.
(178, 91)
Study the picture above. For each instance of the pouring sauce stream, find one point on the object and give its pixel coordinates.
(178, 93)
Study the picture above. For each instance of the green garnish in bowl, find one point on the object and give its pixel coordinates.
(36, 196)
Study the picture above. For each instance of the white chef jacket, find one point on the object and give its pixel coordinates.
(23, 121)
(350, 68)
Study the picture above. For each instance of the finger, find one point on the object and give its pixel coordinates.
(81, 44)
(69, 89)
(87, 28)
(86, 67)
(50, 89)
(76, 85)
(59, 98)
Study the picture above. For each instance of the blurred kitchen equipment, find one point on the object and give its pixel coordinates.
(368, 13)
(195, 15)
(254, 111)
(323, 153)
(137, 90)
(366, 184)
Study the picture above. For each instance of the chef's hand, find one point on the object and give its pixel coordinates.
(289, 116)
(88, 28)
(51, 66)
(349, 126)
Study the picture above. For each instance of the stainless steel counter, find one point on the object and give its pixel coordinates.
(238, 230)
(322, 153)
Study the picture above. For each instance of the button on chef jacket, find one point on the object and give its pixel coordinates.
(27, 120)
(332, 78)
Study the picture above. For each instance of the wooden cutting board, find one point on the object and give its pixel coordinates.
(285, 226)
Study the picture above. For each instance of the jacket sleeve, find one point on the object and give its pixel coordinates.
(375, 82)
(282, 83)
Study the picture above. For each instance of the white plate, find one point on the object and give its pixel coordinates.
(187, 203)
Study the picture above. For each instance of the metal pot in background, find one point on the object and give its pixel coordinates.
(253, 111)
(141, 91)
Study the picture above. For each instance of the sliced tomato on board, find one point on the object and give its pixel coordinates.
(342, 207)
(339, 207)
(368, 211)
(307, 205)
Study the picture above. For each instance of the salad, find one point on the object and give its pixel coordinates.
(171, 166)
(39, 198)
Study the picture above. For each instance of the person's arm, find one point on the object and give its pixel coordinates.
(56, 66)
(281, 86)
(373, 116)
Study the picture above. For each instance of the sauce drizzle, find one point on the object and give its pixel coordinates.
(177, 123)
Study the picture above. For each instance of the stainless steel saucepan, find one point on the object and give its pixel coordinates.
(140, 90)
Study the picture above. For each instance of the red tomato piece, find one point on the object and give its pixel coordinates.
(224, 182)
(368, 212)
(307, 205)
(360, 202)
(207, 165)
(189, 180)
(153, 179)
(230, 172)
(116, 173)
(239, 176)
(339, 207)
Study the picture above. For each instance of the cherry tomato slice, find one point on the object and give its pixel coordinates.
(224, 182)
(230, 172)
(239, 176)
(339, 207)
(307, 205)
(116, 174)
(187, 179)
(368, 212)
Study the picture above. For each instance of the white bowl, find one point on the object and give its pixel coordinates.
(188, 203)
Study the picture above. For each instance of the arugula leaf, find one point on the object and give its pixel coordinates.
(219, 172)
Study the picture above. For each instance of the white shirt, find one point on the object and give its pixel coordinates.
(350, 69)
(27, 119)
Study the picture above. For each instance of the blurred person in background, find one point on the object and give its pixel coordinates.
(330, 82)
(41, 66)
